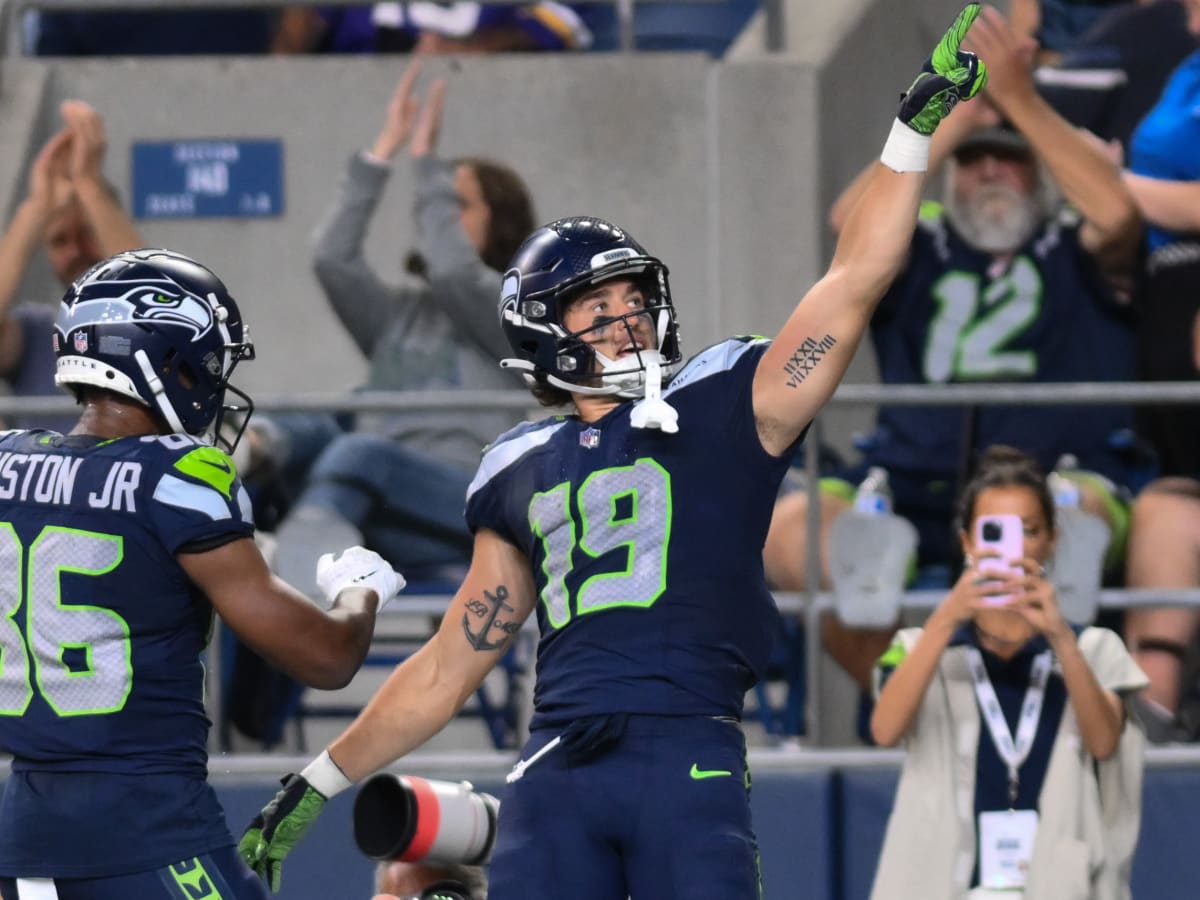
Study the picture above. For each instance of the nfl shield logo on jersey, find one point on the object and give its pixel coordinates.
(589, 438)
(81, 342)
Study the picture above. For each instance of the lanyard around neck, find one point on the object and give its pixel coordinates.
(1013, 751)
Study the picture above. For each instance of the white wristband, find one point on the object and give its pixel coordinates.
(325, 776)
(905, 150)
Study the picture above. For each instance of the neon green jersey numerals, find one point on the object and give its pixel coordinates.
(97, 639)
(624, 511)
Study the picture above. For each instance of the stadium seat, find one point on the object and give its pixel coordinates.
(706, 27)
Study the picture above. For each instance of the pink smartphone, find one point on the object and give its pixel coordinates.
(1004, 535)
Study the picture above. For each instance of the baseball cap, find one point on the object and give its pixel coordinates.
(1003, 138)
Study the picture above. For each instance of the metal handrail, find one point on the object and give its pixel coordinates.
(796, 602)
(813, 602)
(1082, 393)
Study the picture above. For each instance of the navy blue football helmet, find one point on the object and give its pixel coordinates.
(160, 328)
(555, 264)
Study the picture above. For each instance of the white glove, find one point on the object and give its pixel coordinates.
(361, 568)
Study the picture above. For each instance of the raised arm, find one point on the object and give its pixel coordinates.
(963, 119)
(420, 696)
(1087, 177)
(803, 366)
(364, 303)
(114, 229)
(49, 191)
(1173, 205)
(1097, 711)
(463, 285)
(901, 695)
(1025, 18)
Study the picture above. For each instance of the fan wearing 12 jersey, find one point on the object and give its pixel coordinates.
(635, 528)
(118, 543)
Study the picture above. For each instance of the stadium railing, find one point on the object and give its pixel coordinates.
(810, 604)
(11, 12)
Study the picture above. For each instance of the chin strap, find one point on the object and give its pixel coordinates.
(652, 411)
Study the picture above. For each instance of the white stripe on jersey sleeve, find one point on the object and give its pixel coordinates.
(712, 361)
(36, 889)
(188, 495)
(244, 505)
(504, 455)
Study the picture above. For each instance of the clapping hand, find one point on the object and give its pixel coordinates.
(1009, 57)
(429, 122)
(88, 144)
(407, 118)
(49, 186)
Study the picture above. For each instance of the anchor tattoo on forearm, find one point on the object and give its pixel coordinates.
(489, 610)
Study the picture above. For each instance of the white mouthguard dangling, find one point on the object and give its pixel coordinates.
(652, 411)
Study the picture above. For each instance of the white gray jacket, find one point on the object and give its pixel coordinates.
(440, 334)
(1088, 822)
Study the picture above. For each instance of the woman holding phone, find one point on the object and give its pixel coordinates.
(1023, 771)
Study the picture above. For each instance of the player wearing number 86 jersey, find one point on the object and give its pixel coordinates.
(102, 687)
(118, 543)
(635, 528)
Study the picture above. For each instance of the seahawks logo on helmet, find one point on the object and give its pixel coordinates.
(147, 301)
(178, 307)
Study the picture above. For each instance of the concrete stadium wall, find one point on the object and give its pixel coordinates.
(713, 165)
(725, 169)
(656, 142)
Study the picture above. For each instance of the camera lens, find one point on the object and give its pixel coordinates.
(991, 531)
(416, 819)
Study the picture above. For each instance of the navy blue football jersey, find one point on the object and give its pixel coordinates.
(646, 547)
(954, 315)
(102, 684)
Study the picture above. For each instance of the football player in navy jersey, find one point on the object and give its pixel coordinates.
(118, 542)
(635, 529)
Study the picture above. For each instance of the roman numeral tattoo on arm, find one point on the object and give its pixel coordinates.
(806, 357)
(492, 615)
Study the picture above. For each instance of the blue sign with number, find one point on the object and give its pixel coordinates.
(207, 178)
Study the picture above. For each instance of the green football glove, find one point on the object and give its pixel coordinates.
(273, 833)
(948, 76)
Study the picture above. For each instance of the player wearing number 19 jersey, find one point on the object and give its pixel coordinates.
(635, 528)
(118, 543)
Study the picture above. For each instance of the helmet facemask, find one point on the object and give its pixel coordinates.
(625, 376)
(243, 408)
(578, 367)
